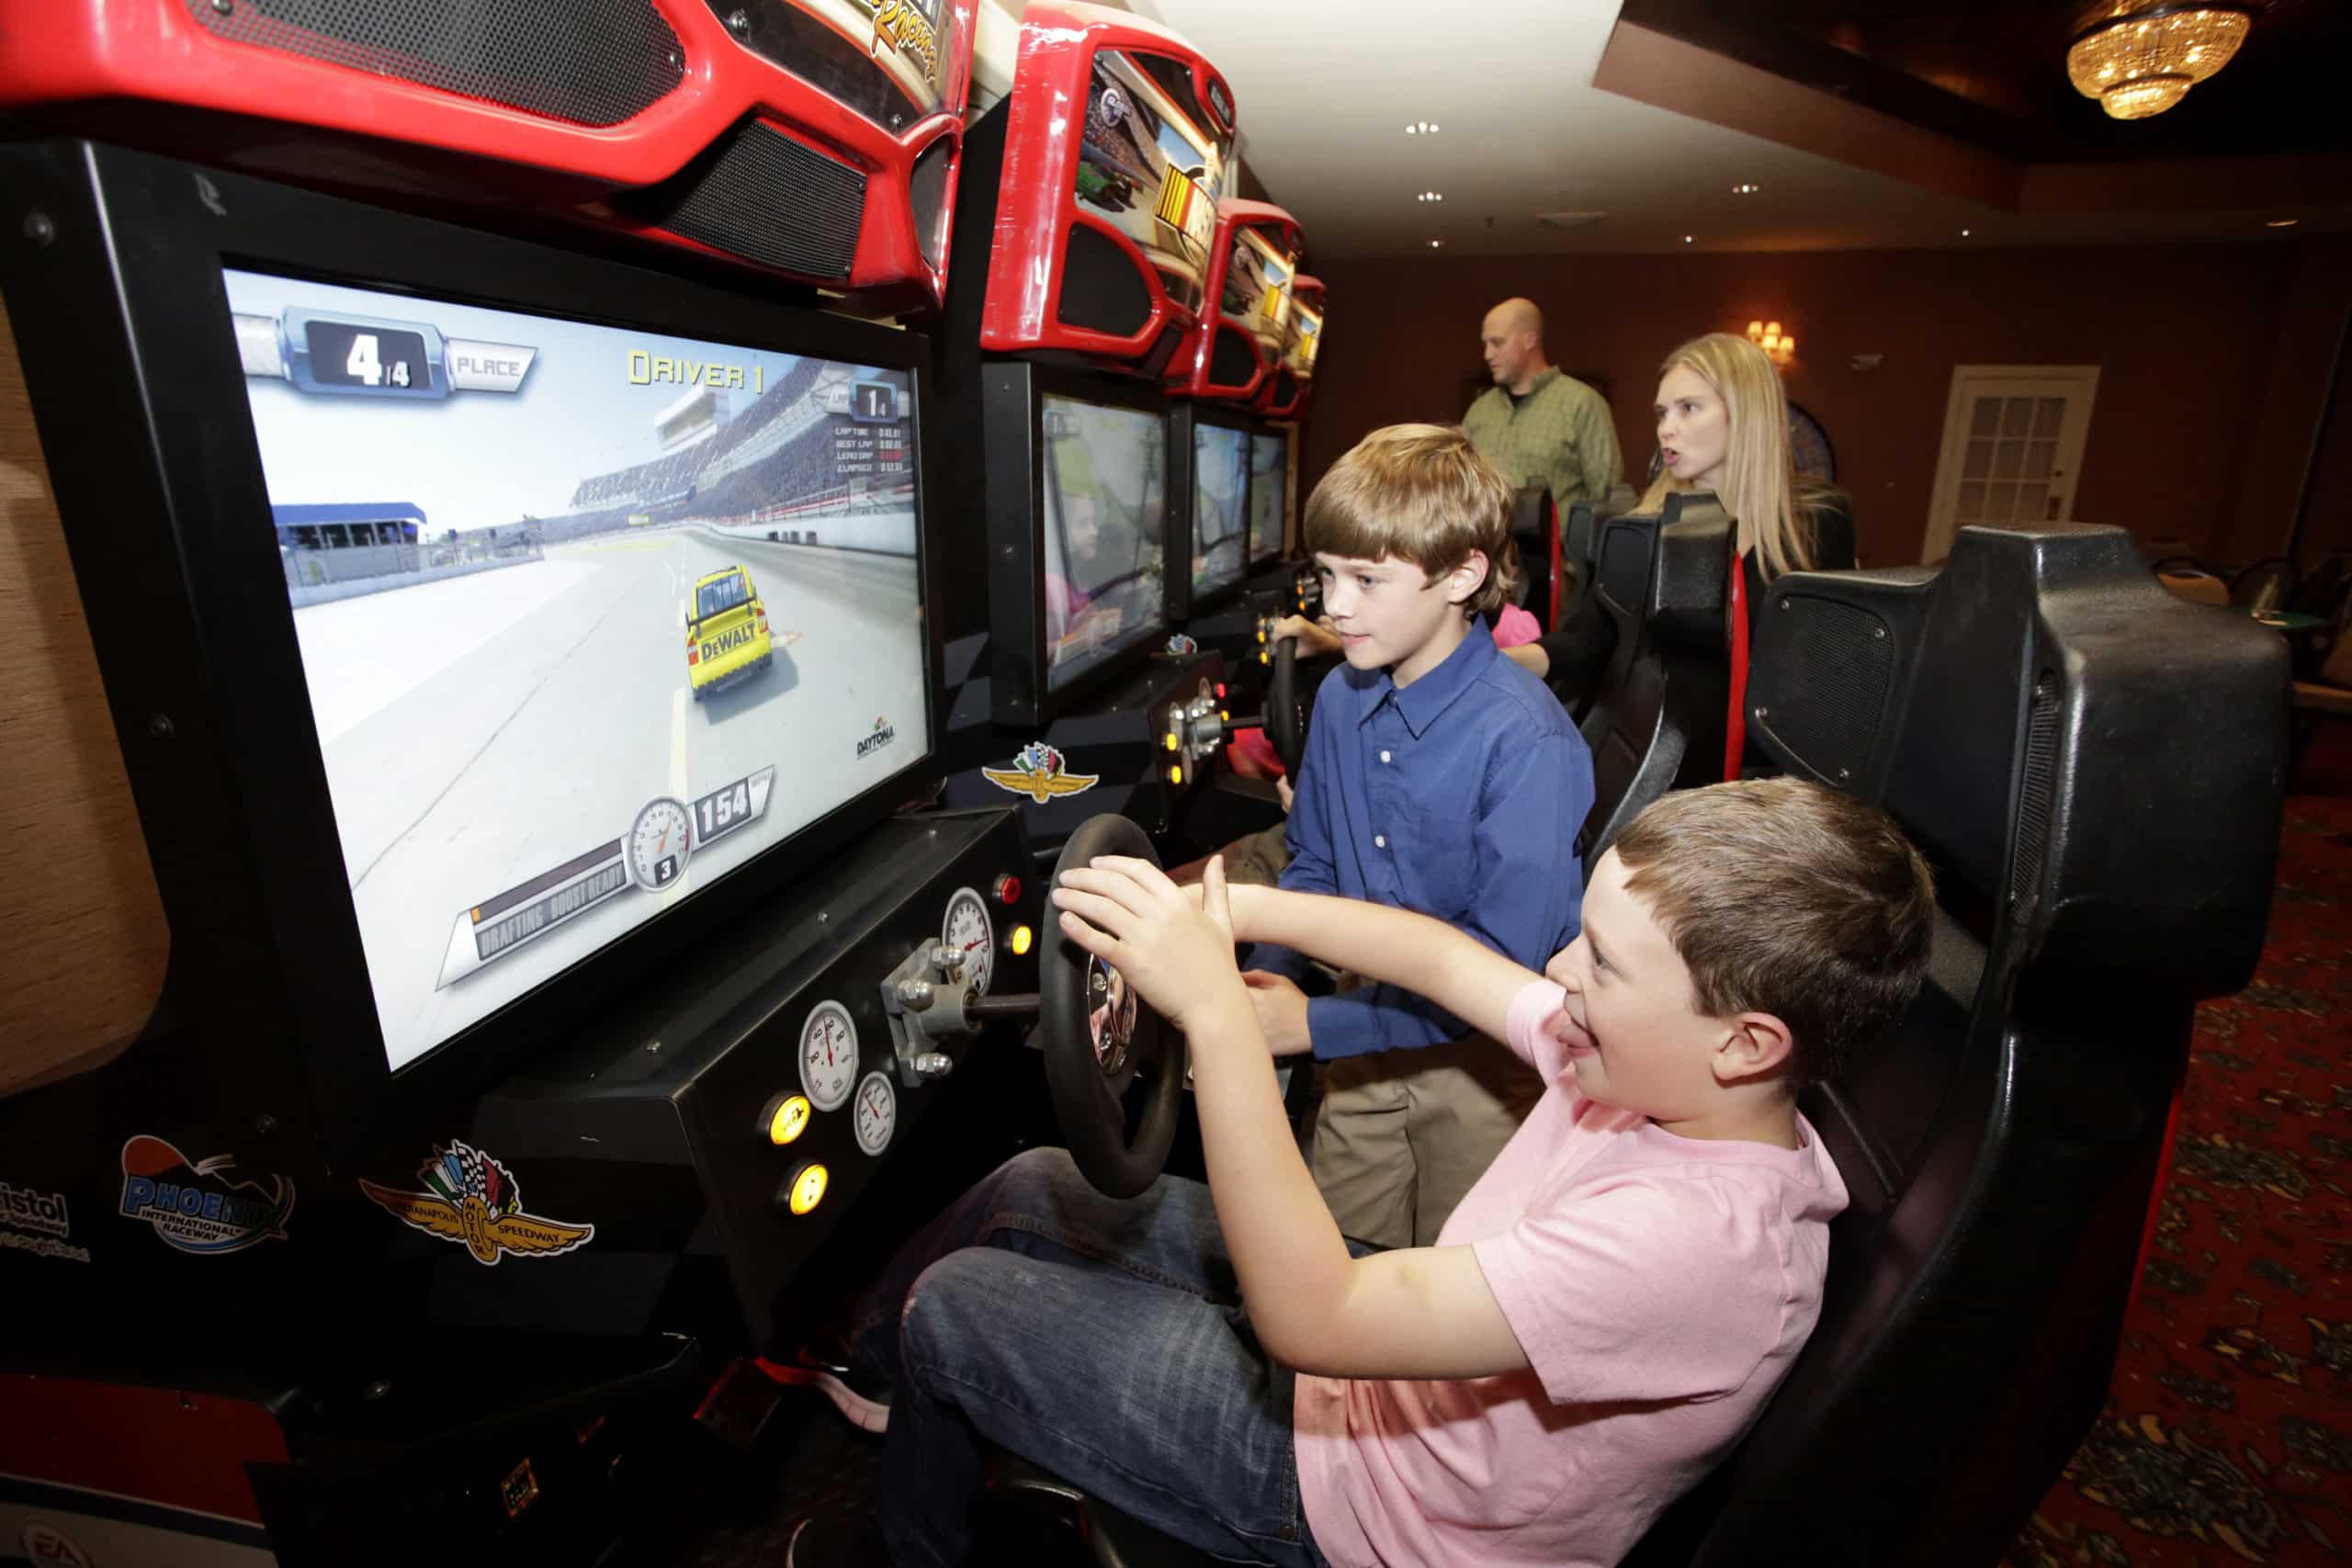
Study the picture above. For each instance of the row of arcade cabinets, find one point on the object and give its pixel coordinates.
(539, 636)
(1128, 345)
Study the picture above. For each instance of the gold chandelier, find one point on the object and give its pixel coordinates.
(2142, 57)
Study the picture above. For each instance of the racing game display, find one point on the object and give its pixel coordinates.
(1269, 481)
(1220, 506)
(1106, 496)
(839, 46)
(1148, 165)
(1256, 292)
(588, 618)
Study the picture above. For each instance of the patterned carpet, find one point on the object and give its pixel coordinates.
(2227, 1435)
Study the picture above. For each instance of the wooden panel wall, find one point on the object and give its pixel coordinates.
(82, 940)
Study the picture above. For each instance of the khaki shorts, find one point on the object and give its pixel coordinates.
(1402, 1136)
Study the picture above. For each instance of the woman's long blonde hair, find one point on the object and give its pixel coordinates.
(1758, 485)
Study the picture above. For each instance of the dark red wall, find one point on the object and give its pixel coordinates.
(2214, 361)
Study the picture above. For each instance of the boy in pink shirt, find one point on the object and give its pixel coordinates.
(1600, 1319)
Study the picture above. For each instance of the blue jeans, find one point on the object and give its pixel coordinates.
(1101, 1338)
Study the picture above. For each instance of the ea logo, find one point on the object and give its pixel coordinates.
(47, 1544)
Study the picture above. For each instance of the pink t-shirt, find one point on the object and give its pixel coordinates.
(1660, 1287)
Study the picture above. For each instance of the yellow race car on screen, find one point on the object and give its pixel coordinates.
(726, 631)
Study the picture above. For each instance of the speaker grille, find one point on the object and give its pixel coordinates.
(1831, 666)
(1101, 287)
(588, 61)
(927, 194)
(1232, 361)
(2036, 791)
(1286, 389)
(766, 197)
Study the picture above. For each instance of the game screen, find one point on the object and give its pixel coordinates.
(1149, 165)
(1256, 291)
(1105, 493)
(589, 617)
(1268, 487)
(1220, 506)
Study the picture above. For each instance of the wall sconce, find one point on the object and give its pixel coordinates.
(1767, 336)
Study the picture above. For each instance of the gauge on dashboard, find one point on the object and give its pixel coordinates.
(827, 1055)
(876, 1113)
(967, 929)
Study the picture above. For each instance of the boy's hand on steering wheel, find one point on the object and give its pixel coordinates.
(1175, 949)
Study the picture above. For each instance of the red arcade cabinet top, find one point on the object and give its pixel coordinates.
(816, 138)
(1118, 144)
(1288, 389)
(1233, 351)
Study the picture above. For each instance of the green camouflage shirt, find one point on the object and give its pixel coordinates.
(1559, 434)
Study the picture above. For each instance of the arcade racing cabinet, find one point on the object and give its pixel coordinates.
(522, 665)
(1083, 272)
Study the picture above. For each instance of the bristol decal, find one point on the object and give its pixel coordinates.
(24, 1209)
(1036, 772)
(471, 1199)
(194, 1205)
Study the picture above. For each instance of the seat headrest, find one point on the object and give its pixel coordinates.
(2027, 788)
(1531, 511)
(1688, 596)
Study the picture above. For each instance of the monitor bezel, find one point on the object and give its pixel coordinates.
(1012, 395)
(1184, 420)
(204, 621)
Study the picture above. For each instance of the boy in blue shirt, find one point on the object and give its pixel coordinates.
(1440, 777)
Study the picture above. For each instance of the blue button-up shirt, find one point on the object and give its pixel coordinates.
(1459, 797)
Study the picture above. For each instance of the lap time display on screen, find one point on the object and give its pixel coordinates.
(588, 618)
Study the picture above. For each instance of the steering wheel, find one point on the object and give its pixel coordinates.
(1286, 710)
(1100, 1038)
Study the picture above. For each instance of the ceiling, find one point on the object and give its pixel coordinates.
(1991, 73)
(1326, 87)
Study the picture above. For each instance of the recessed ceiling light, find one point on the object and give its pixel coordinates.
(1745, 188)
(1687, 239)
(1965, 232)
(2282, 222)
(1430, 196)
(1421, 128)
(1436, 244)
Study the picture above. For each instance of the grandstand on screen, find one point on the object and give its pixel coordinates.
(770, 463)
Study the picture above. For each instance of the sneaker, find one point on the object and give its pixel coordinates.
(864, 1400)
(821, 1541)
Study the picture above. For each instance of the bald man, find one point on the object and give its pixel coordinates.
(1535, 424)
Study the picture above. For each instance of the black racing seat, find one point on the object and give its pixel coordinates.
(1656, 718)
(2096, 770)
(1534, 529)
(1579, 542)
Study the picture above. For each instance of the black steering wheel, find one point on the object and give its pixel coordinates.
(1286, 710)
(1100, 1038)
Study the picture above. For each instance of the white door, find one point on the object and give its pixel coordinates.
(2012, 449)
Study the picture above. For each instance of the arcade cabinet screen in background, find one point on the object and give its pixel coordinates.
(589, 617)
(1269, 482)
(1105, 489)
(1220, 506)
(1256, 292)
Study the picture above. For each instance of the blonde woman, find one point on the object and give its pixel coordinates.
(1722, 427)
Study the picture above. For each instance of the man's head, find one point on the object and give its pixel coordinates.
(1743, 939)
(1411, 531)
(1512, 340)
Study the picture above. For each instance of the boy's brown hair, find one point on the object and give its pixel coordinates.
(1419, 493)
(1786, 897)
